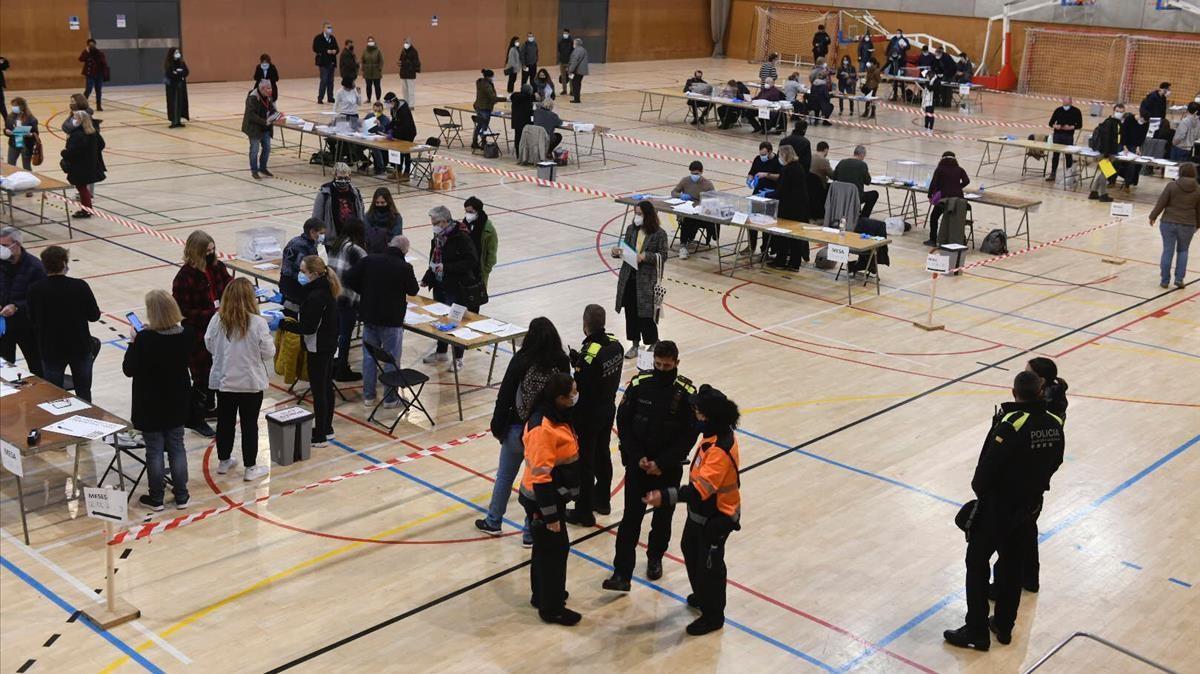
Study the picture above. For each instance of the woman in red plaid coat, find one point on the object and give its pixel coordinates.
(197, 287)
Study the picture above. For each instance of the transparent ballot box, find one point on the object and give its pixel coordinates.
(763, 210)
(909, 172)
(261, 243)
(723, 204)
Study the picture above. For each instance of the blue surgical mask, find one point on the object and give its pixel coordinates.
(695, 177)
(264, 66)
(302, 279)
(320, 238)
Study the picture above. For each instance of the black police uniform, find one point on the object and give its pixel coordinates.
(654, 421)
(1021, 453)
(597, 366)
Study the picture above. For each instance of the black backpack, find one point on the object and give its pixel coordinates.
(995, 243)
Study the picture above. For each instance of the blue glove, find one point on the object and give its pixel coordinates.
(277, 298)
(685, 197)
(3, 325)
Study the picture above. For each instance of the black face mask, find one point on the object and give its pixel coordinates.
(665, 376)
(210, 259)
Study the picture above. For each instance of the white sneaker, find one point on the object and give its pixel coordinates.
(435, 357)
(393, 404)
(458, 364)
(226, 465)
(255, 472)
(330, 435)
(683, 253)
(368, 402)
(632, 352)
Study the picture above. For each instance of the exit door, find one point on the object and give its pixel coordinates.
(135, 36)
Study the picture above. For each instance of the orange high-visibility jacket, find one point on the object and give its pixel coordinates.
(551, 463)
(713, 486)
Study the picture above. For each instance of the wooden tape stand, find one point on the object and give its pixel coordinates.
(929, 325)
(114, 611)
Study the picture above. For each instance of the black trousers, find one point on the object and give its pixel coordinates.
(320, 377)
(548, 561)
(373, 84)
(1030, 561)
(637, 483)
(555, 139)
(529, 75)
(869, 198)
(791, 252)
(705, 561)
(576, 85)
(20, 333)
(512, 80)
(1007, 538)
(688, 228)
(231, 407)
(596, 463)
(935, 216)
(638, 328)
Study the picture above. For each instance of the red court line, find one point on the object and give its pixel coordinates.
(1159, 313)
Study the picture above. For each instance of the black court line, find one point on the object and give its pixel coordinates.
(50, 642)
(979, 362)
(25, 667)
(824, 436)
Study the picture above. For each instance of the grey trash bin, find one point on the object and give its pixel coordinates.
(546, 170)
(289, 433)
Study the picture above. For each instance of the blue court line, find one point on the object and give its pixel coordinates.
(1046, 535)
(853, 469)
(478, 508)
(543, 257)
(71, 610)
(1180, 582)
(1048, 323)
(1131, 565)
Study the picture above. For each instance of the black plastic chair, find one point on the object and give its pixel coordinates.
(422, 165)
(449, 130)
(394, 379)
(486, 138)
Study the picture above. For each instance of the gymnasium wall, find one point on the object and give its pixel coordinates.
(966, 32)
(539, 17)
(643, 30)
(35, 39)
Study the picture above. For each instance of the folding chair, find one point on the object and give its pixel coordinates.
(422, 165)
(485, 137)
(412, 381)
(449, 130)
(1037, 156)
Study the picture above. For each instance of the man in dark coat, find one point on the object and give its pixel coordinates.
(18, 272)
(325, 51)
(257, 122)
(566, 45)
(529, 59)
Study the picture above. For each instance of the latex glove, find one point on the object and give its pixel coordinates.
(685, 196)
(3, 325)
(277, 298)
(273, 322)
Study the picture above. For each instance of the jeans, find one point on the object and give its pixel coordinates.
(347, 318)
(170, 443)
(1180, 153)
(447, 298)
(373, 84)
(54, 369)
(512, 453)
(388, 338)
(1176, 239)
(231, 406)
(380, 159)
(96, 83)
(325, 88)
(485, 118)
(260, 151)
(25, 153)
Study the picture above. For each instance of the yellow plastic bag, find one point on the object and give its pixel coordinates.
(1107, 168)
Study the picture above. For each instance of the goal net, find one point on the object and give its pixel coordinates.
(789, 33)
(1107, 66)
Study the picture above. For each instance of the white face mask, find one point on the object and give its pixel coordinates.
(637, 220)
(574, 398)
(328, 31)
(470, 217)
(264, 66)
(566, 36)
(177, 56)
(1118, 115)
(5, 253)
(1066, 106)
(16, 109)
(407, 45)
(531, 38)
(765, 155)
(371, 43)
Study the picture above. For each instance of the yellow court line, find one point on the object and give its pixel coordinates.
(269, 580)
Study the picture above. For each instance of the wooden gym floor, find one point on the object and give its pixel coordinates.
(860, 432)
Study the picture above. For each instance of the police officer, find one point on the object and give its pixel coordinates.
(1021, 453)
(656, 427)
(714, 504)
(598, 375)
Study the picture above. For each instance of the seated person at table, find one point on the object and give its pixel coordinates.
(1106, 139)
(382, 127)
(820, 163)
(548, 119)
(793, 88)
(1187, 133)
(697, 85)
(768, 93)
(856, 172)
(727, 114)
(690, 189)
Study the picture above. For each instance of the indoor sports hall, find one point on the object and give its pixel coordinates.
(810, 279)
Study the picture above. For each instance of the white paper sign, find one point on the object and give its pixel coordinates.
(764, 113)
(106, 504)
(288, 414)
(457, 311)
(308, 126)
(937, 262)
(1120, 209)
(964, 90)
(1171, 172)
(739, 218)
(395, 156)
(838, 253)
(11, 456)
(120, 21)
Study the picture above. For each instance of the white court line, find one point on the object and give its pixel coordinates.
(87, 592)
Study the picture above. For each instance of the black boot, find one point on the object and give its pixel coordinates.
(963, 638)
(345, 372)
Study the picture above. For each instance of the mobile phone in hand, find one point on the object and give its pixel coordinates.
(134, 321)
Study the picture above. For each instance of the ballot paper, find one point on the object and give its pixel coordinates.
(489, 325)
(673, 201)
(437, 309)
(628, 255)
(13, 373)
(778, 230)
(83, 427)
(64, 406)
(412, 318)
(465, 333)
(266, 266)
(510, 331)
(5, 389)
(686, 208)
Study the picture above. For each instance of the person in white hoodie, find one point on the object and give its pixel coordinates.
(241, 345)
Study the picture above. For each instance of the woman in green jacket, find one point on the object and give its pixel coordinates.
(483, 234)
(372, 68)
(485, 101)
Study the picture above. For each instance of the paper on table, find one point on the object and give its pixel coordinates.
(488, 325)
(510, 330)
(778, 230)
(411, 318)
(84, 427)
(674, 202)
(64, 405)
(437, 309)
(13, 373)
(465, 333)
(972, 196)
(266, 266)
(829, 230)
(5, 389)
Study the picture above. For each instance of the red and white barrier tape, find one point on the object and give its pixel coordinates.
(531, 179)
(1043, 97)
(1044, 244)
(124, 222)
(924, 133)
(676, 148)
(152, 528)
(961, 118)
